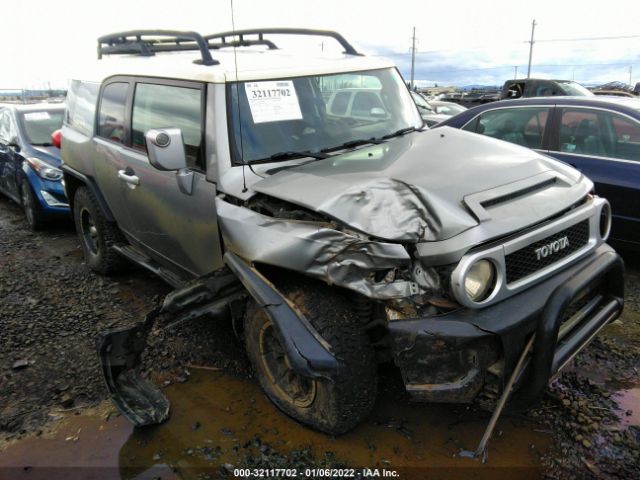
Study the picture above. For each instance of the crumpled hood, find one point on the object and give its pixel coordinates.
(410, 188)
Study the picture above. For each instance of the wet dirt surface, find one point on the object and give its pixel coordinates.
(55, 421)
(219, 420)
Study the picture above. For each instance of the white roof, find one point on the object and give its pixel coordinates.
(252, 64)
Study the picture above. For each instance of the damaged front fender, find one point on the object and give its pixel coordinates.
(315, 249)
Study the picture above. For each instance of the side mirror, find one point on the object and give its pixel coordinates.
(378, 112)
(166, 149)
(56, 138)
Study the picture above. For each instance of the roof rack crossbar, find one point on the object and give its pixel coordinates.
(260, 32)
(131, 42)
(241, 42)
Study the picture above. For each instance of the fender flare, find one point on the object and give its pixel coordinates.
(90, 183)
(309, 354)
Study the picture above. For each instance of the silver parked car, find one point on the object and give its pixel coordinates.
(333, 236)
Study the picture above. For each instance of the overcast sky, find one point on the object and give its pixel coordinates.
(460, 43)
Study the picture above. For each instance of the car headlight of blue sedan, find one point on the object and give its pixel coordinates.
(44, 170)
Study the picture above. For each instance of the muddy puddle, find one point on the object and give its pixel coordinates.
(219, 420)
(629, 403)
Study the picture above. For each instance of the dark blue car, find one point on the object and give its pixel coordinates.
(599, 136)
(29, 162)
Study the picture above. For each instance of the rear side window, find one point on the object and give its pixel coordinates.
(599, 133)
(168, 106)
(625, 138)
(111, 120)
(364, 102)
(4, 126)
(81, 106)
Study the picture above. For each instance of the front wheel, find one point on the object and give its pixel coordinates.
(32, 209)
(97, 235)
(332, 405)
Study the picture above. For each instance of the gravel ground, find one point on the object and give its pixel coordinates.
(52, 308)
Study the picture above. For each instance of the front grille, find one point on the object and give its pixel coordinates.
(543, 253)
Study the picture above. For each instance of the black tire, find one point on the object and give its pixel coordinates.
(330, 406)
(96, 234)
(32, 209)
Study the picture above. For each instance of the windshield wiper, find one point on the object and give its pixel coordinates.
(401, 132)
(289, 155)
(352, 144)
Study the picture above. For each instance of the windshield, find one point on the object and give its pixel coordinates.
(317, 113)
(39, 125)
(573, 88)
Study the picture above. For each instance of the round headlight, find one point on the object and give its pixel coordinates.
(479, 280)
(605, 221)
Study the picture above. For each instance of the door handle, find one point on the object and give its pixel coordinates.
(130, 179)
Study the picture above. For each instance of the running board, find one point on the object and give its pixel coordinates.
(136, 256)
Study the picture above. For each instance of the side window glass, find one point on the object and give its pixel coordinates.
(625, 139)
(581, 133)
(340, 103)
(522, 126)
(534, 128)
(112, 111)
(7, 127)
(515, 90)
(81, 106)
(4, 127)
(364, 102)
(70, 102)
(165, 106)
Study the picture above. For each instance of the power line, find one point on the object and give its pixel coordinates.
(587, 39)
(551, 65)
(479, 48)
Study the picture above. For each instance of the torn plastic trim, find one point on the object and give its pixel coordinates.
(314, 249)
(309, 354)
(119, 350)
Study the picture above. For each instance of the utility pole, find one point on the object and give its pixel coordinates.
(413, 56)
(515, 72)
(630, 72)
(533, 29)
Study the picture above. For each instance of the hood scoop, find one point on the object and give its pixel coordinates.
(481, 203)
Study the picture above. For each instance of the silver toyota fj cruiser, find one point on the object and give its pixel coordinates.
(332, 239)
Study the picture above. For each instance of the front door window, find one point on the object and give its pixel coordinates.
(522, 126)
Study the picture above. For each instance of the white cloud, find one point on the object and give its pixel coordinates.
(45, 40)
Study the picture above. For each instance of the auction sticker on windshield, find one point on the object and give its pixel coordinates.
(36, 116)
(273, 101)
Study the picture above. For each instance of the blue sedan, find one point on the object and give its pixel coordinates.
(29, 162)
(600, 136)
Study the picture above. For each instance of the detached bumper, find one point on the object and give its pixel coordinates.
(445, 359)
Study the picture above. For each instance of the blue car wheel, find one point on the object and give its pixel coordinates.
(32, 210)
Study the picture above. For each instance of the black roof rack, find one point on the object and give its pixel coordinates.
(132, 42)
(241, 42)
(260, 32)
(170, 41)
